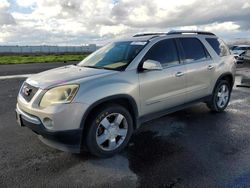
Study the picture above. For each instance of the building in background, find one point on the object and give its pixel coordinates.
(47, 49)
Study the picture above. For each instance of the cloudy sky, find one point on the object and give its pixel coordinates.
(76, 22)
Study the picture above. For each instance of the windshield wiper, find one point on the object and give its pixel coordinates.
(94, 67)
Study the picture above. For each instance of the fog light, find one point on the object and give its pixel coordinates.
(48, 122)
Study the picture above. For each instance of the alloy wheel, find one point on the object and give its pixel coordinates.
(111, 131)
(222, 96)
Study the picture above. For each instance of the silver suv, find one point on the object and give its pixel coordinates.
(98, 103)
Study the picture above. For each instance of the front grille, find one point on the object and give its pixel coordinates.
(28, 91)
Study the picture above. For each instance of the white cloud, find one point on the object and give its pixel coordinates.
(4, 4)
(5, 17)
(115, 30)
(4, 35)
(225, 26)
(80, 21)
(246, 5)
(26, 3)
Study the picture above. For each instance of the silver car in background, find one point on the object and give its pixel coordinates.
(247, 56)
(98, 103)
(239, 52)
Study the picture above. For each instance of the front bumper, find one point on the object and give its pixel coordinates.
(68, 140)
(239, 60)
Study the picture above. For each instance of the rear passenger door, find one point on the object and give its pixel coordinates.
(199, 65)
(162, 89)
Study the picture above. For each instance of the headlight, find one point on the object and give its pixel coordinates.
(60, 94)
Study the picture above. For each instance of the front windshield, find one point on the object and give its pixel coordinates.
(114, 56)
(240, 48)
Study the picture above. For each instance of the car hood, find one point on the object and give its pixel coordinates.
(64, 74)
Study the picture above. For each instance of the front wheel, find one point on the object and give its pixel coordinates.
(220, 97)
(109, 130)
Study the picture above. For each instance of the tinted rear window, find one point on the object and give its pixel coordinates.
(193, 49)
(219, 46)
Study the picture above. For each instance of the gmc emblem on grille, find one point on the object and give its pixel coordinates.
(26, 91)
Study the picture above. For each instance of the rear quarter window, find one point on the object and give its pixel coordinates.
(219, 46)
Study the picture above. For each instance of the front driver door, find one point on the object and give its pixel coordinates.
(162, 89)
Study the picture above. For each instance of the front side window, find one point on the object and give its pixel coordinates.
(114, 56)
(164, 52)
(219, 46)
(193, 49)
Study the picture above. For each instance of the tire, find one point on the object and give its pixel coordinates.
(216, 104)
(109, 130)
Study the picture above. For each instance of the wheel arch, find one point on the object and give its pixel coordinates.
(122, 99)
(226, 76)
(211, 101)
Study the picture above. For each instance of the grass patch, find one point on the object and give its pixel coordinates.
(21, 59)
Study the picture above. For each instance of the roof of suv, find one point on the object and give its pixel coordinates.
(149, 36)
(173, 32)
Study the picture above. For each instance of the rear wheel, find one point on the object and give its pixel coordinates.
(109, 130)
(221, 96)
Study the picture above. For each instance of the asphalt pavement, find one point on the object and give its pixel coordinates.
(189, 148)
(30, 68)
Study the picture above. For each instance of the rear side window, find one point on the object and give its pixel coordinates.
(193, 49)
(219, 46)
(164, 52)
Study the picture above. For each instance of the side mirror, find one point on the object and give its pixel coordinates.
(151, 65)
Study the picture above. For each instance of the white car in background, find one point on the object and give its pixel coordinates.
(239, 52)
(232, 47)
(247, 56)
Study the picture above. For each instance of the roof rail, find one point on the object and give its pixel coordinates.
(175, 32)
(147, 34)
(189, 32)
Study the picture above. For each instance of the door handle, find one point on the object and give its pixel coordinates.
(179, 74)
(210, 67)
